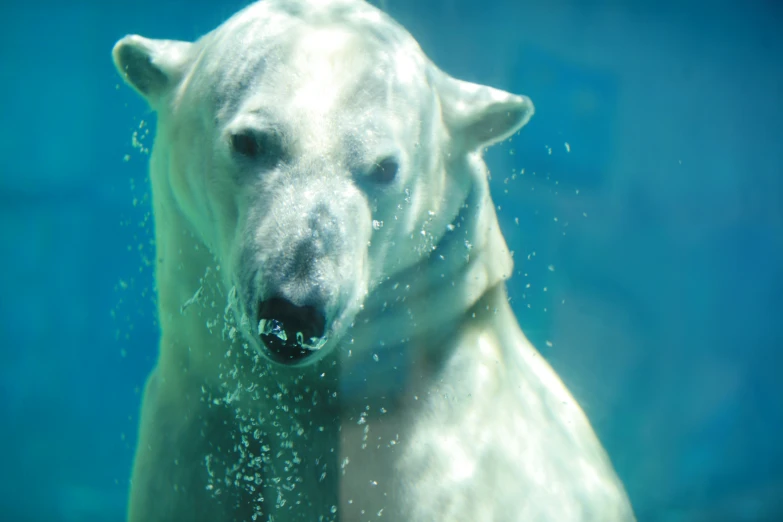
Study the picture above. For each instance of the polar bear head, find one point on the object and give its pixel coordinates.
(317, 153)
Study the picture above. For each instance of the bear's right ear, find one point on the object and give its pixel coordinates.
(151, 67)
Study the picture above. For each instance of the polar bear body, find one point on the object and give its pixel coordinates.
(336, 340)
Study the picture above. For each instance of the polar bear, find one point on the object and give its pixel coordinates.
(336, 340)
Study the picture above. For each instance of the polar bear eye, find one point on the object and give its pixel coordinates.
(246, 144)
(385, 171)
(257, 145)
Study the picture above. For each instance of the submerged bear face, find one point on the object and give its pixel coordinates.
(317, 153)
(324, 146)
(316, 162)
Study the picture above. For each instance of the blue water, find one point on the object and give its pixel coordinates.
(669, 258)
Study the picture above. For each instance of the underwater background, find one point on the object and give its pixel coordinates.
(647, 226)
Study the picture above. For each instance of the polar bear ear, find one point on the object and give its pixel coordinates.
(481, 115)
(152, 67)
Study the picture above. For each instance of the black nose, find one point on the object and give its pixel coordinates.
(288, 330)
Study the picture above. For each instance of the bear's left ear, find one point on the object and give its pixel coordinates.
(151, 67)
(480, 115)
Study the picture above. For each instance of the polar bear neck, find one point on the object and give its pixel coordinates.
(190, 294)
(422, 304)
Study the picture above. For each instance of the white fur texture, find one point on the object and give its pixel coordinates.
(423, 400)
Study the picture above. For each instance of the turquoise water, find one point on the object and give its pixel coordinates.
(648, 224)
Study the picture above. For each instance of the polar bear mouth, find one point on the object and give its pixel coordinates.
(289, 332)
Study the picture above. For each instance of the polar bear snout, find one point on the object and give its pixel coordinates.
(290, 333)
(301, 269)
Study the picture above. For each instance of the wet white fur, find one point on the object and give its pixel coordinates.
(427, 401)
